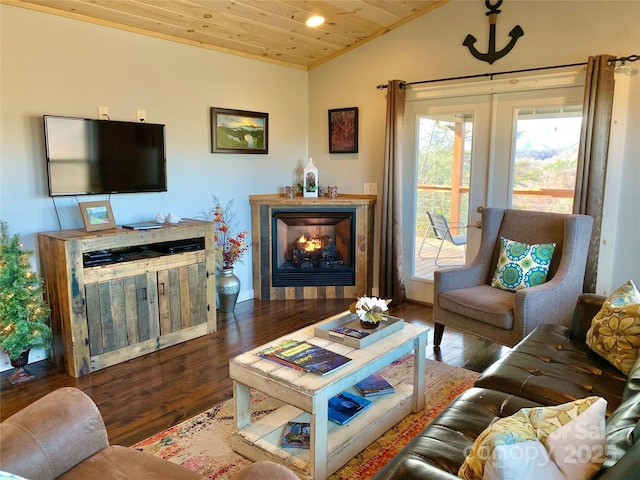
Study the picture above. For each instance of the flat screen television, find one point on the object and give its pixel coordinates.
(87, 156)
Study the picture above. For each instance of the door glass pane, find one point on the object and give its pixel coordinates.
(443, 171)
(546, 158)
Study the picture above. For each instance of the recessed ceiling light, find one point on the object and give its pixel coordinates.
(314, 21)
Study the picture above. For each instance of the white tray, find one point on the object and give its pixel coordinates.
(347, 319)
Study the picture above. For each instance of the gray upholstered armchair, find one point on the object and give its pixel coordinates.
(464, 298)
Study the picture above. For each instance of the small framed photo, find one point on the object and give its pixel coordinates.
(239, 131)
(97, 215)
(343, 130)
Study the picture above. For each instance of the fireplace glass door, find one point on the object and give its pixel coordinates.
(313, 248)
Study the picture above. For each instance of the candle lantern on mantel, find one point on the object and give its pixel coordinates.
(310, 180)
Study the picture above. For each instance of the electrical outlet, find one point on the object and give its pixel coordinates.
(370, 188)
(103, 113)
(141, 115)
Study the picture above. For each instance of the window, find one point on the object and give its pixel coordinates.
(546, 158)
(508, 143)
(443, 172)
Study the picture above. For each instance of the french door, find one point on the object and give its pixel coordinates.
(465, 151)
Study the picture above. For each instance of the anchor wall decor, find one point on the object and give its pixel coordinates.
(492, 55)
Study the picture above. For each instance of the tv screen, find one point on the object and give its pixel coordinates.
(86, 156)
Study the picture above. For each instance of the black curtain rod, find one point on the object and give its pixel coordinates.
(630, 58)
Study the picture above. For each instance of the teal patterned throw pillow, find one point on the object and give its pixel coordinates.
(521, 265)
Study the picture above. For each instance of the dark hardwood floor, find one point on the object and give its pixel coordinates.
(141, 397)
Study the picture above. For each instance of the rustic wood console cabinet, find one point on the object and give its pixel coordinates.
(142, 301)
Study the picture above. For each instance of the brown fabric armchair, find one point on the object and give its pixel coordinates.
(464, 298)
(62, 436)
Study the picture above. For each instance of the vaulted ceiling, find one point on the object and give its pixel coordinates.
(269, 30)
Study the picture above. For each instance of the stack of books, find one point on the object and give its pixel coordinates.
(305, 356)
(342, 408)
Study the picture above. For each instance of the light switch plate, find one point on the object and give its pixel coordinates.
(370, 188)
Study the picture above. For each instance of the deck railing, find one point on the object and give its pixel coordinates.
(454, 214)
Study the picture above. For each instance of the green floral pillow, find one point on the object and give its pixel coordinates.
(521, 265)
(615, 330)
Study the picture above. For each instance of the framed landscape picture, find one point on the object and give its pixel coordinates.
(97, 215)
(343, 130)
(239, 131)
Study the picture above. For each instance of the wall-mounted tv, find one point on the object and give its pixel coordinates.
(86, 156)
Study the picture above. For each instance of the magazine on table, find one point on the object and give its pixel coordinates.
(296, 435)
(269, 353)
(312, 358)
(374, 385)
(350, 332)
(344, 406)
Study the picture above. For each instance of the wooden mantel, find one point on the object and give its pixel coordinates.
(261, 237)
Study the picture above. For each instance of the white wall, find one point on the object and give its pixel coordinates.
(430, 47)
(53, 65)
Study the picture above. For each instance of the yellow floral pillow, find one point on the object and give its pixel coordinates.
(572, 436)
(615, 330)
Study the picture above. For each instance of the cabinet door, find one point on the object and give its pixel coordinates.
(122, 312)
(182, 298)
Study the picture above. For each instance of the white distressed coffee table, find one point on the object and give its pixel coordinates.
(306, 397)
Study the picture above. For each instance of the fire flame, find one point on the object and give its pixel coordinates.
(310, 245)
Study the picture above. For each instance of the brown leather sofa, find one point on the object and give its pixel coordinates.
(62, 436)
(550, 366)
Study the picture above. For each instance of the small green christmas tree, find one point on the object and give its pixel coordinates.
(23, 312)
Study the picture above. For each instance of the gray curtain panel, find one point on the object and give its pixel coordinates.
(391, 282)
(592, 153)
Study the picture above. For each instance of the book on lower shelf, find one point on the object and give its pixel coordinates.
(344, 406)
(296, 435)
(374, 385)
(311, 358)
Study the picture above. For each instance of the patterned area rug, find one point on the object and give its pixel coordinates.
(202, 442)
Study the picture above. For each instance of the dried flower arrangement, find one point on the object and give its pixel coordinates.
(229, 246)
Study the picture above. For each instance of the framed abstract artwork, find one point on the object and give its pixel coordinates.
(239, 131)
(343, 130)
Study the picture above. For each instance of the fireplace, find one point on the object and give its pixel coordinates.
(313, 247)
(335, 258)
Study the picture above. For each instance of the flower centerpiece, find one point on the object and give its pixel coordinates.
(370, 310)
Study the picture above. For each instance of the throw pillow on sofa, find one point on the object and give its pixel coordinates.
(521, 265)
(572, 435)
(521, 461)
(615, 330)
(515, 430)
(575, 444)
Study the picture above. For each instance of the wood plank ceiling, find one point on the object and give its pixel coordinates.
(269, 30)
